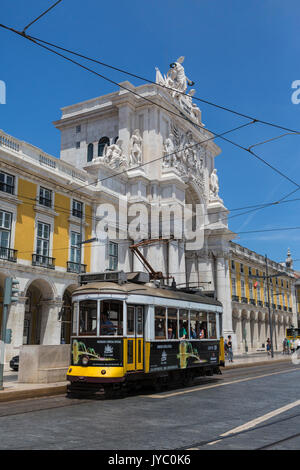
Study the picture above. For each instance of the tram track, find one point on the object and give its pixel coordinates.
(217, 439)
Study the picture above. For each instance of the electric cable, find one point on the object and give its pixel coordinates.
(151, 81)
(40, 16)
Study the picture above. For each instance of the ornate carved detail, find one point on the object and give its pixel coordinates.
(214, 186)
(183, 154)
(113, 156)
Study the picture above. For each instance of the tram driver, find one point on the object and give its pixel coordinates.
(106, 326)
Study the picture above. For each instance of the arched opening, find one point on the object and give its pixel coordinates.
(101, 145)
(66, 315)
(90, 152)
(36, 312)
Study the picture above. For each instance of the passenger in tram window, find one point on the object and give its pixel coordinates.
(107, 327)
(192, 333)
(203, 330)
(182, 330)
(172, 329)
(159, 329)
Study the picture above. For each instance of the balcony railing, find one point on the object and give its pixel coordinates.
(8, 254)
(244, 300)
(74, 267)
(43, 261)
(235, 298)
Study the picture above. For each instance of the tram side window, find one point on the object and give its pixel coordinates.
(88, 317)
(130, 320)
(194, 324)
(202, 326)
(212, 328)
(183, 324)
(160, 323)
(172, 323)
(111, 318)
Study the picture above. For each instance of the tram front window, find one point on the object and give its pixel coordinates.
(111, 318)
(88, 317)
(160, 323)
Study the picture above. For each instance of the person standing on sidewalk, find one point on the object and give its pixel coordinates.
(229, 349)
(284, 346)
(268, 346)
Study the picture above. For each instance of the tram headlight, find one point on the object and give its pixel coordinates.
(85, 361)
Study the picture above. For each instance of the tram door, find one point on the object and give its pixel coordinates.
(135, 346)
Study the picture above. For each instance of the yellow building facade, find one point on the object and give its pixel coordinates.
(251, 300)
(44, 214)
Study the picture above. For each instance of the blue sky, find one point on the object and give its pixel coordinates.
(243, 55)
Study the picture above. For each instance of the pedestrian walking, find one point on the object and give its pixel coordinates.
(229, 349)
(288, 346)
(297, 344)
(268, 346)
(284, 346)
(225, 348)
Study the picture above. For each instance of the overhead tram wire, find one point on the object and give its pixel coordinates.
(158, 84)
(153, 103)
(40, 16)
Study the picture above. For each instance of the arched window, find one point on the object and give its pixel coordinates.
(101, 144)
(90, 152)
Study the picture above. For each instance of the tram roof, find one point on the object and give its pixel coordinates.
(142, 289)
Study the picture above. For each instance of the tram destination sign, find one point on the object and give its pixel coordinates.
(166, 355)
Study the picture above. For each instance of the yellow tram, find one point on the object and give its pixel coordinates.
(128, 332)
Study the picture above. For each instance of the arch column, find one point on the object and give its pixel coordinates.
(15, 322)
(50, 325)
(223, 292)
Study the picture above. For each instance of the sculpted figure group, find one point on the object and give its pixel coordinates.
(114, 157)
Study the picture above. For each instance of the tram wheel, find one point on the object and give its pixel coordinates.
(188, 379)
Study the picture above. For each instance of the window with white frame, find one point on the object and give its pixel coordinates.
(242, 288)
(45, 198)
(43, 239)
(258, 291)
(113, 256)
(7, 183)
(75, 247)
(77, 209)
(5, 231)
(233, 286)
(251, 289)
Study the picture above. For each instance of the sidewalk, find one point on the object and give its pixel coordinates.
(259, 358)
(13, 390)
